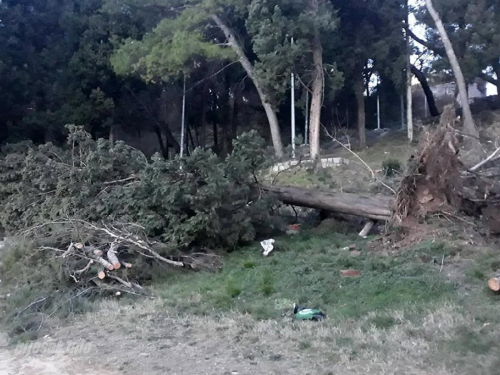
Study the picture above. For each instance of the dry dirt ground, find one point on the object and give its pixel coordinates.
(145, 339)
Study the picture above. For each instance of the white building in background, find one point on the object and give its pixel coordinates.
(445, 93)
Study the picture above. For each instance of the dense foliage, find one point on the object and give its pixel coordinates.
(199, 200)
(116, 66)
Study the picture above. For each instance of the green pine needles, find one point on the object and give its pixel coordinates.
(199, 200)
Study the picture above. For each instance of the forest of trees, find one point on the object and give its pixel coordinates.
(121, 65)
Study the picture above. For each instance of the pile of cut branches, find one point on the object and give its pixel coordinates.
(113, 257)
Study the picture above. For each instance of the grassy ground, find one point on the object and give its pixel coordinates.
(306, 269)
(405, 310)
(355, 178)
(419, 310)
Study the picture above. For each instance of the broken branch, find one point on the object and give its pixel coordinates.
(493, 156)
(85, 269)
(367, 228)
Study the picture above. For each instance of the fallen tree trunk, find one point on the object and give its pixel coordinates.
(376, 207)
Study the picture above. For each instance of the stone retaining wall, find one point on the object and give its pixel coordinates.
(325, 162)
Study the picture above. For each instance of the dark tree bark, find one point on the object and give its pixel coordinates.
(216, 138)
(427, 90)
(163, 147)
(190, 137)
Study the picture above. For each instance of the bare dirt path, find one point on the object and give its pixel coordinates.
(144, 339)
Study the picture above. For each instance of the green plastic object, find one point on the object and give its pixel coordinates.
(303, 313)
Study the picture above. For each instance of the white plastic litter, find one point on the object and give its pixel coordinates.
(268, 246)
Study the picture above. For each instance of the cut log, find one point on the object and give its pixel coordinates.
(375, 207)
(105, 263)
(367, 228)
(125, 264)
(494, 284)
(112, 256)
(101, 275)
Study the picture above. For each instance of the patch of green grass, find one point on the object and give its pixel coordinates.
(308, 272)
(232, 289)
(304, 345)
(382, 322)
(467, 340)
(249, 264)
(267, 284)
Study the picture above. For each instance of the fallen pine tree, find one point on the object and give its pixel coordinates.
(376, 207)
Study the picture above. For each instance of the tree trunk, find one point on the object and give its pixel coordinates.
(203, 131)
(190, 138)
(216, 138)
(496, 70)
(469, 126)
(112, 134)
(165, 129)
(230, 119)
(427, 90)
(316, 97)
(359, 88)
(376, 207)
(409, 92)
(247, 65)
(317, 91)
(163, 148)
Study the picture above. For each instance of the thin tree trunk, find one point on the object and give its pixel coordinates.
(359, 88)
(234, 117)
(165, 129)
(496, 70)
(163, 148)
(112, 134)
(247, 65)
(216, 139)
(230, 120)
(427, 90)
(190, 136)
(409, 93)
(317, 91)
(469, 126)
(203, 131)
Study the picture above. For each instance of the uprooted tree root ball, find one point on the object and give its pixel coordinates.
(432, 179)
(437, 181)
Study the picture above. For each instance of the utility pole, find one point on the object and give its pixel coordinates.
(183, 117)
(378, 103)
(293, 111)
(378, 112)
